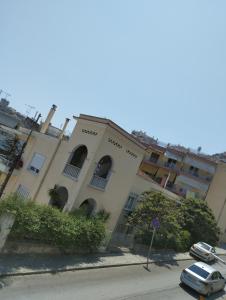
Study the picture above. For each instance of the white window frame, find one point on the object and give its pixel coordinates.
(35, 169)
(131, 201)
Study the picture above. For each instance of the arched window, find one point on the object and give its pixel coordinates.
(88, 207)
(58, 197)
(102, 172)
(75, 162)
(78, 157)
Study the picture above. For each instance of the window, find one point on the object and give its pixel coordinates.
(79, 156)
(197, 270)
(215, 276)
(171, 163)
(36, 163)
(194, 171)
(22, 191)
(154, 157)
(131, 201)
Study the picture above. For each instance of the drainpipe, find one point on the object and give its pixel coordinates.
(51, 113)
(51, 160)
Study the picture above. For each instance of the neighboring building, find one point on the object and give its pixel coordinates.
(182, 172)
(216, 198)
(11, 118)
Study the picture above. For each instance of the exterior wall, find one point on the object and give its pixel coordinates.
(216, 198)
(126, 157)
(149, 168)
(141, 185)
(82, 135)
(190, 182)
(39, 143)
(124, 169)
(202, 174)
(209, 168)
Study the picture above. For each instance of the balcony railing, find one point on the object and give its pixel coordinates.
(196, 175)
(164, 164)
(177, 169)
(71, 171)
(98, 182)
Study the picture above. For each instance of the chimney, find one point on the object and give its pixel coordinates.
(63, 129)
(45, 125)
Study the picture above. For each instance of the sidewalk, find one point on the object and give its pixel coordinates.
(14, 265)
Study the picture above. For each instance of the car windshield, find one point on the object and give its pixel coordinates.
(199, 271)
(204, 246)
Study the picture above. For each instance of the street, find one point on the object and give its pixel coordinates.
(132, 282)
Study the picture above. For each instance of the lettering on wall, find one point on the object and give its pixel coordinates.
(119, 146)
(116, 144)
(131, 153)
(89, 132)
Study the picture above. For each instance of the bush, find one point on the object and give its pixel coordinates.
(199, 220)
(181, 223)
(49, 225)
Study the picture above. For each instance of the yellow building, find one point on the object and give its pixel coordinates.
(182, 172)
(216, 198)
(96, 168)
(101, 166)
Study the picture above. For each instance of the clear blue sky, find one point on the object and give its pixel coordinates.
(159, 66)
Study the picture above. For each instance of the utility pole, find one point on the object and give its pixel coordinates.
(149, 250)
(16, 160)
(155, 225)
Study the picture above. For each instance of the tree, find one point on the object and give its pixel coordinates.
(171, 234)
(11, 147)
(199, 220)
(181, 223)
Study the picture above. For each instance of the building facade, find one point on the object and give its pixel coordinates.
(182, 172)
(96, 168)
(103, 167)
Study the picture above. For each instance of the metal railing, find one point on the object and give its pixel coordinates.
(163, 164)
(196, 175)
(71, 171)
(5, 161)
(98, 182)
(178, 169)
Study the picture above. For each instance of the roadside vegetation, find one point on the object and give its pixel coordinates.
(182, 223)
(49, 225)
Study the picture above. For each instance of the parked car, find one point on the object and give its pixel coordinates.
(203, 278)
(203, 251)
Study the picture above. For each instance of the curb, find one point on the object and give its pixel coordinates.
(54, 271)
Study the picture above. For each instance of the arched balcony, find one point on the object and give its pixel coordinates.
(75, 163)
(102, 173)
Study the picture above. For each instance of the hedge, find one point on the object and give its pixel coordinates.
(49, 225)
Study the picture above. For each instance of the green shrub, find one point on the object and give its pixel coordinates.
(181, 224)
(49, 225)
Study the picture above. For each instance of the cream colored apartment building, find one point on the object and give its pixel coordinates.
(103, 167)
(96, 167)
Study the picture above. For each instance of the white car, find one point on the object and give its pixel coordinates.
(203, 251)
(203, 278)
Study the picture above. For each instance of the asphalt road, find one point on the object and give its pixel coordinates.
(130, 283)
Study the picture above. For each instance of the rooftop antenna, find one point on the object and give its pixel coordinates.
(5, 93)
(29, 109)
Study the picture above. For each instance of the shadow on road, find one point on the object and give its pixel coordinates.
(195, 295)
